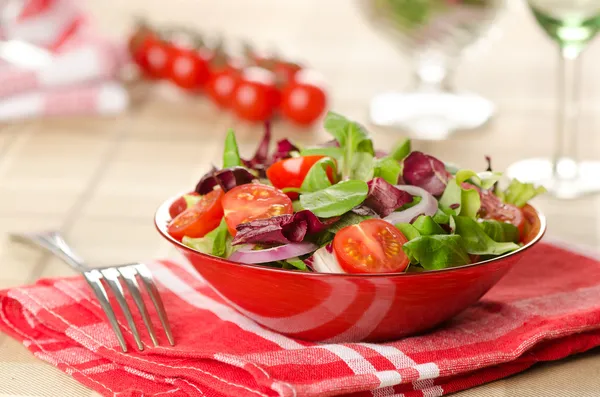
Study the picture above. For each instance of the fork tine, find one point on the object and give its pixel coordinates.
(112, 277)
(148, 281)
(93, 278)
(128, 273)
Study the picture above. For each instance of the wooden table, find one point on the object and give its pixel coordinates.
(99, 180)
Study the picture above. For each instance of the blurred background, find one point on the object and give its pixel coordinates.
(102, 118)
(104, 141)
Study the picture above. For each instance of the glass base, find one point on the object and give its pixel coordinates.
(575, 179)
(430, 115)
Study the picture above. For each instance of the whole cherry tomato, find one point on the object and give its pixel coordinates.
(138, 45)
(224, 78)
(291, 172)
(188, 69)
(256, 96)
(159, 57)
(286, 71)
(303, 102)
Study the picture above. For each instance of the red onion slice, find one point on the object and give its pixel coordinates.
(324, 261)
(427, 206)
(247, 255)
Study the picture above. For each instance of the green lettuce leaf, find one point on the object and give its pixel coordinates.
(387, 168)
(457, 200)
(484, 180)
(427, 226)
(231, 154)
(401, 150)
(476, 240)
(217, 242)
(409, 231)
(518, 193)
(437, 251)
(335, 200)
(294, 264)
(362, 166)
(352, 138)
(501, 232)
(316, 178)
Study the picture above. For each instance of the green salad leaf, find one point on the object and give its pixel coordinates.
(294, 264)
(470, 203)
(352, 138)
(231, 154)
(217, 242)
(362, 166)
(501, 232)
(426, 226)
(317, 178)
(484, 180)
(347, 219)
(476, 240)
(335, 200)
(401, 150)
(191, 200)
(441, 218)
(437, 251)
(409, 231)
(333, 152)
(457, 200)
(519, 193)
(387, 168)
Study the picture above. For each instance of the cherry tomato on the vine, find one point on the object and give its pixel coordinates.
(256, 97)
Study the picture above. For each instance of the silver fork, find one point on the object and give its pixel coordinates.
(55, 244)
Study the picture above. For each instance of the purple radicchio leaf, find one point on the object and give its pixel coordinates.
(383, 199)
(426, 172)
(282, 229)
(227, 179)
(284, 148)
(262, 160)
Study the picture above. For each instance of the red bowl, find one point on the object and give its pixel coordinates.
(345, 307)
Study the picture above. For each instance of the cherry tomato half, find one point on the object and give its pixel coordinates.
(532, 224)
(253, 201)
(494, 208)
(188, 69)
(256, 97)
(372, 246)
(200, 219)
(180, 205)
(291, 172)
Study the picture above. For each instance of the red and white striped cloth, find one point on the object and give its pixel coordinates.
(83, 65)
(546, 308)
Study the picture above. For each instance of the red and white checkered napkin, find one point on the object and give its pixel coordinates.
(546, 308)
(81, 79)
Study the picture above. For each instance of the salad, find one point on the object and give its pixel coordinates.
(344, 207)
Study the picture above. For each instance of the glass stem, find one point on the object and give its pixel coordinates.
(432, 72)
(565, 161)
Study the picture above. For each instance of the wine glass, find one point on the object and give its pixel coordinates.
(434, 33)
(572, 24)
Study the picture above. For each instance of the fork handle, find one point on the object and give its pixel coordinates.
(54, 243)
